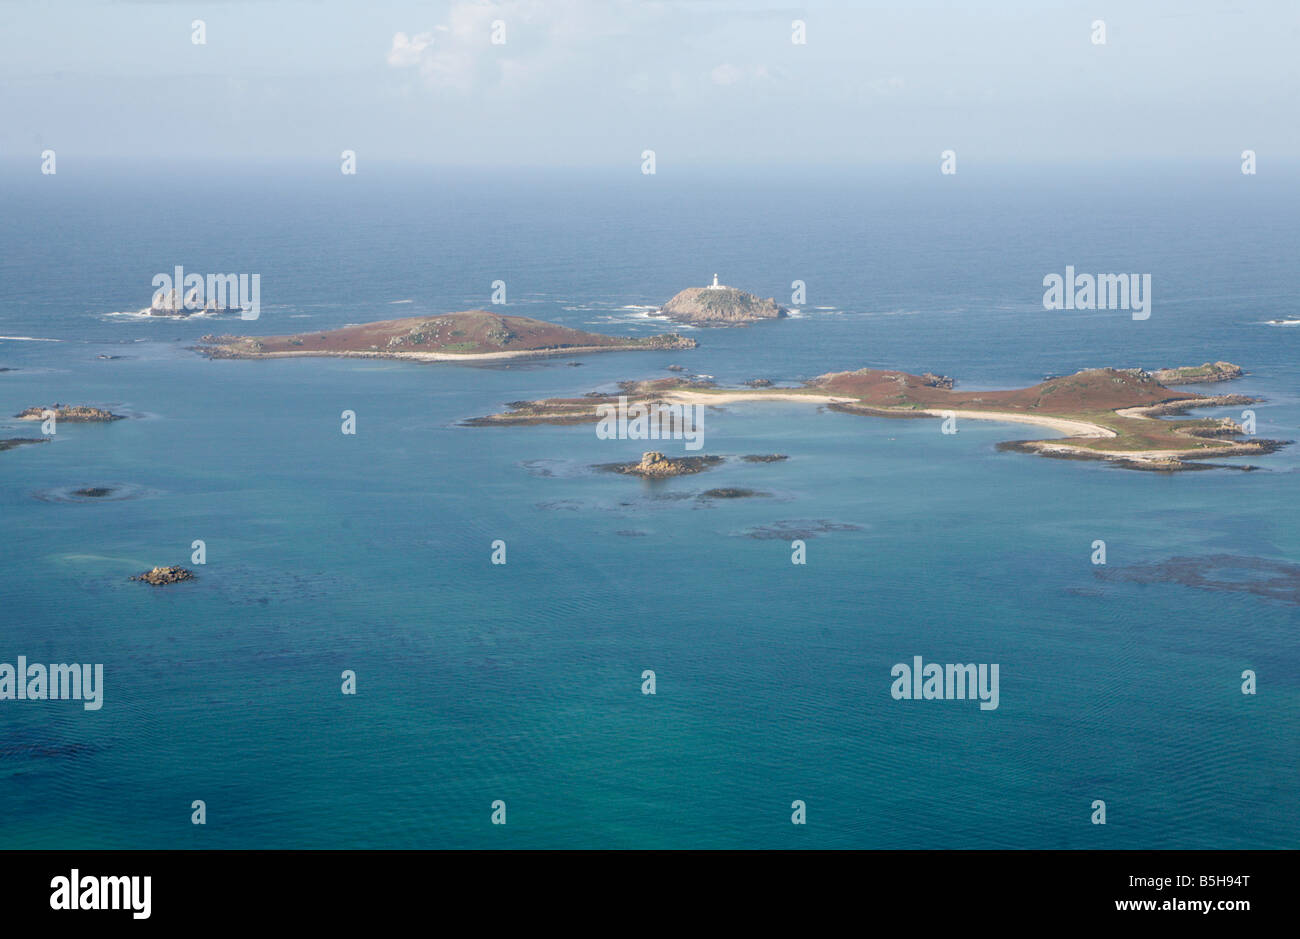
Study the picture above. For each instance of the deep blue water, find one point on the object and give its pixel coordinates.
(522, 682)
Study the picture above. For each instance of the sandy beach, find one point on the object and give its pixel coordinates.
(1071, 428)
(724, 397)
(1067, 426)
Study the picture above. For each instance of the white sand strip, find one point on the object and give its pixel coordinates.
(1071, 428)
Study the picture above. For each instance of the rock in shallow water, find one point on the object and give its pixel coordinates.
(655, 465)
(160, 576)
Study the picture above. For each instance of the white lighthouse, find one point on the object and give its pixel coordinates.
(715, 285)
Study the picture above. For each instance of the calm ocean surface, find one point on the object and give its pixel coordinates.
(522, 682)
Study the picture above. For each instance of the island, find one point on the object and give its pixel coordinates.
(69, 413)
(162, 576)
(170, 303)
(471, 334)
(1115, 415)
(655, 465)
(1191, 374)
(719, 305)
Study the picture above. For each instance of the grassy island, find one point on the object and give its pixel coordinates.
(473, 334)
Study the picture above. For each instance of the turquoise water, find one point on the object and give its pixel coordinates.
(521, 682)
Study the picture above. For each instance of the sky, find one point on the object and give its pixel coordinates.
(594, 83)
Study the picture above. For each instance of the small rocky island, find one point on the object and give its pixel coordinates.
(70, 414)
(719, 305)
(1191, 374)
(171, 303)
(161, 576)
(654, 465)
(472, 334)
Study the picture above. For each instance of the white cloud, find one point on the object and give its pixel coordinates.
(726, 75)
(547, 41)
(406, 50)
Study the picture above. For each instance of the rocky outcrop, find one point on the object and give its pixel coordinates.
(1217, 427)
(10, 443)
(1191, 374)
(72, 414)
(655, 465)
(161, 576)
(758, 383)
(764, 457)
(171, 303)
(937, 381)
(721, 306)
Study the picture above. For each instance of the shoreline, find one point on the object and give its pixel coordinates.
(466, 336)
(1071, 427)
(217, 352)
(1068, 426)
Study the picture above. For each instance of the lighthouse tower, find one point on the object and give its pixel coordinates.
(715, 285)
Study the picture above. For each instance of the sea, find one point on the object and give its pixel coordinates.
(514, 692)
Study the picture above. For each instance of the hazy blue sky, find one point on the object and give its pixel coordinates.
(594, 82)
